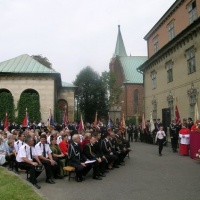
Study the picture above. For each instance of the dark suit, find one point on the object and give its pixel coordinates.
(107, 150)
(76, 157)
(98, 167)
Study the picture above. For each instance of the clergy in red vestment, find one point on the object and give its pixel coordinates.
(184, 135)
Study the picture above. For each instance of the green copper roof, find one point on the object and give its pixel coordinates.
(120, 48)
(64, 84)
(24, 64)
(130, 65)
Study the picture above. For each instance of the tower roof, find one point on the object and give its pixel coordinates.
(120, 48)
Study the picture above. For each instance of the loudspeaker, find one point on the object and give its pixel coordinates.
(166, 117)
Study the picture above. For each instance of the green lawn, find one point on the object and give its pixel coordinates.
(12, 187)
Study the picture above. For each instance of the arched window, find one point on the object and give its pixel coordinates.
(136, 101)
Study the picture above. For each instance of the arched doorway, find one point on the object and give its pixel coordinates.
(6, 105)
(62, 107)
(29, 99)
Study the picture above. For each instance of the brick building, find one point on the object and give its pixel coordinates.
(128, 80)
(172, 71)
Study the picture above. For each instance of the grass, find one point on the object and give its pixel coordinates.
(12, 187)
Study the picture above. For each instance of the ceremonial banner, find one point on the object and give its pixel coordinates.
(177, 115)
(6, 122)
(196, 113)
(81, 125)
(152, 127)
(25, 121)
(109, 121)
(51, 121)
(143, 122)
(95, 120)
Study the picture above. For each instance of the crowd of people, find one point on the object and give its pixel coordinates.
(37, 148)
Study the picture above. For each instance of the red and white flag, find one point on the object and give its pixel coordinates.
(143, 122)
(81, 125)
(25, 121)
(6, 122)
(177, 115)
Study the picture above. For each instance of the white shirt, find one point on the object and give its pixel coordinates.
(160, 135)
(39, 149)
(24, 152)
(184, 140)
(18, 144)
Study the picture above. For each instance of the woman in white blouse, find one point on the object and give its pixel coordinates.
(160, 138)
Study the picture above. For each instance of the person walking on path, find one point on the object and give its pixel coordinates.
(160, 138)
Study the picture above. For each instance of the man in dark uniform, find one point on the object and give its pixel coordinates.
(190, 123)
(174, 133)
(77, 158)
(99, 165)
(107, 151)
(130, 133)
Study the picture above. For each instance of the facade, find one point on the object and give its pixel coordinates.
(23, 73)
(128, 80)
(172, 71)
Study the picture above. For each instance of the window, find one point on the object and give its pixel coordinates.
(136, 101)
(169, 68)
(171, 30)
(190, 55)
(192, 10)
(193, 99)
(153, 78)
(155, 43)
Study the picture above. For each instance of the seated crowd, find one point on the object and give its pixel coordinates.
(52, 150)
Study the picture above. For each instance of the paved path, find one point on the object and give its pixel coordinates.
(146, 176)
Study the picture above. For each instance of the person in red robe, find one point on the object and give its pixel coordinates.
(184, 135)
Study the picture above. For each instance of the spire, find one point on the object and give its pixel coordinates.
(120, 48)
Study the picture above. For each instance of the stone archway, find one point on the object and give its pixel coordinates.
(6, 104)
(30, 100)
(62, 105)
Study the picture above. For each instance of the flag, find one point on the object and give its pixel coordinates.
(196, 113)
(143, 122)
(65, 117)
(51, 121)
(25, 121)
(81, 125)
(152, 126)
(122, 123)
(6, 122)
(109, 121)
(177, 115)
(95, 120)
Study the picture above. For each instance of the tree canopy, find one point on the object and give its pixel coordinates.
(92, 93)
(43, 60)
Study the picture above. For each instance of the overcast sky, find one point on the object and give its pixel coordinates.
(73, 34)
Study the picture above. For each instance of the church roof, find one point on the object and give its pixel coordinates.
(119, 48)
(68, 85)
(24, 64)
(130, 65)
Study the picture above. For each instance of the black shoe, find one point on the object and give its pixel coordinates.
(36, 185)
(160, 154)
(97, 178)
(116, 166)
(78, 179)
(102, 175)
(50, 181)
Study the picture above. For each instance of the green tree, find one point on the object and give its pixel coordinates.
(43, 60)
(32, 103)
(92, 94)
(7, 106)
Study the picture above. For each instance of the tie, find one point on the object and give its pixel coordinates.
(44, 151)
(31, 153)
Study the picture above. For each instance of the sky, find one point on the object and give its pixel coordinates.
(74, 34)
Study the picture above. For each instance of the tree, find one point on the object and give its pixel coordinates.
(43, 60)
(92, 94)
